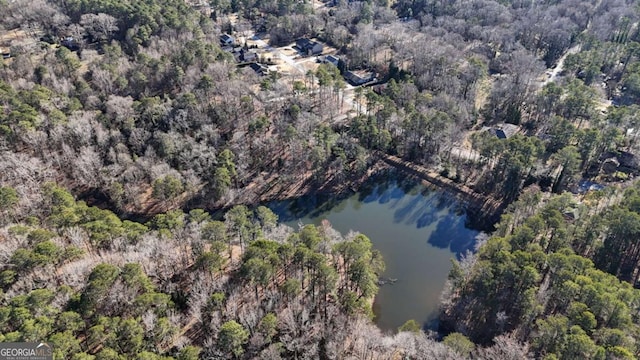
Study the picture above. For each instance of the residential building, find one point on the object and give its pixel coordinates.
(309, 47)
(226, 40)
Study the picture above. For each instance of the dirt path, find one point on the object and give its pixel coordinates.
(465, 153)
(552, 75)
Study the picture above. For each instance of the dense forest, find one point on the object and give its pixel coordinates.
(183, 286)
(555, 274)
(122, 120)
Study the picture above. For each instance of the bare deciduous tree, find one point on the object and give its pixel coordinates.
(99, 26)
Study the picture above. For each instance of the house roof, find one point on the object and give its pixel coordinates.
(303, 42)
(332, 59)
(226, 37)
(571, 214)
(247, 55)
(351, 75)
(259, 68)
(306, 44)
(506, 131)
(359, 76)
(70, 42)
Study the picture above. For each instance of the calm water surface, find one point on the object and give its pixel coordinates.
(418, 231)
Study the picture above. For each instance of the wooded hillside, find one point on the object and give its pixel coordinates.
(141, 108)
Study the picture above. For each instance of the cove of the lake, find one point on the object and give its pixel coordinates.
(417, 229)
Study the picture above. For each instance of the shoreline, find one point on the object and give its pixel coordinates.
(482, 211)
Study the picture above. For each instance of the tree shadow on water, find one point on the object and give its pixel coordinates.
(451, 233)
(410, 203)
(382, 189)
(426, 219)
(377, 188)
(386, 196)
(290, 210)
(416, 208)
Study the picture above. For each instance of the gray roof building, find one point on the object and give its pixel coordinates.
(506, 131)
(309, 47)
(226, 39)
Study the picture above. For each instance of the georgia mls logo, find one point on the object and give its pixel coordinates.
(26, 351)
(44, 349)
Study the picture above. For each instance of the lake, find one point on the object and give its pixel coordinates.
(417, 229)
